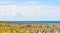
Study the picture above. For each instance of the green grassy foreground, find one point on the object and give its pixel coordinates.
(7, 27)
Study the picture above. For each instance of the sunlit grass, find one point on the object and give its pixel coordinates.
(22, 28)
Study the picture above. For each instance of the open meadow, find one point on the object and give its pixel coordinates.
(7, 27)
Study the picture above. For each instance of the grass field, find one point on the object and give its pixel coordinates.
(6, 27)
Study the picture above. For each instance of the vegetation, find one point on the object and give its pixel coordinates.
(6, 27)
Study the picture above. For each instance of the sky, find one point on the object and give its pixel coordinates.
(29, 10)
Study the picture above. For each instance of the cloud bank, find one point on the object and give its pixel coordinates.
(29, 11)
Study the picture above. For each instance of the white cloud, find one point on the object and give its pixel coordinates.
(3, 2)
(29, 12)
(30, 2)
(7, 2)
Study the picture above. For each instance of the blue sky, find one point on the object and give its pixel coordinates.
(29, 10)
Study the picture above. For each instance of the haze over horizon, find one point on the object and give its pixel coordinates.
(30, 10)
